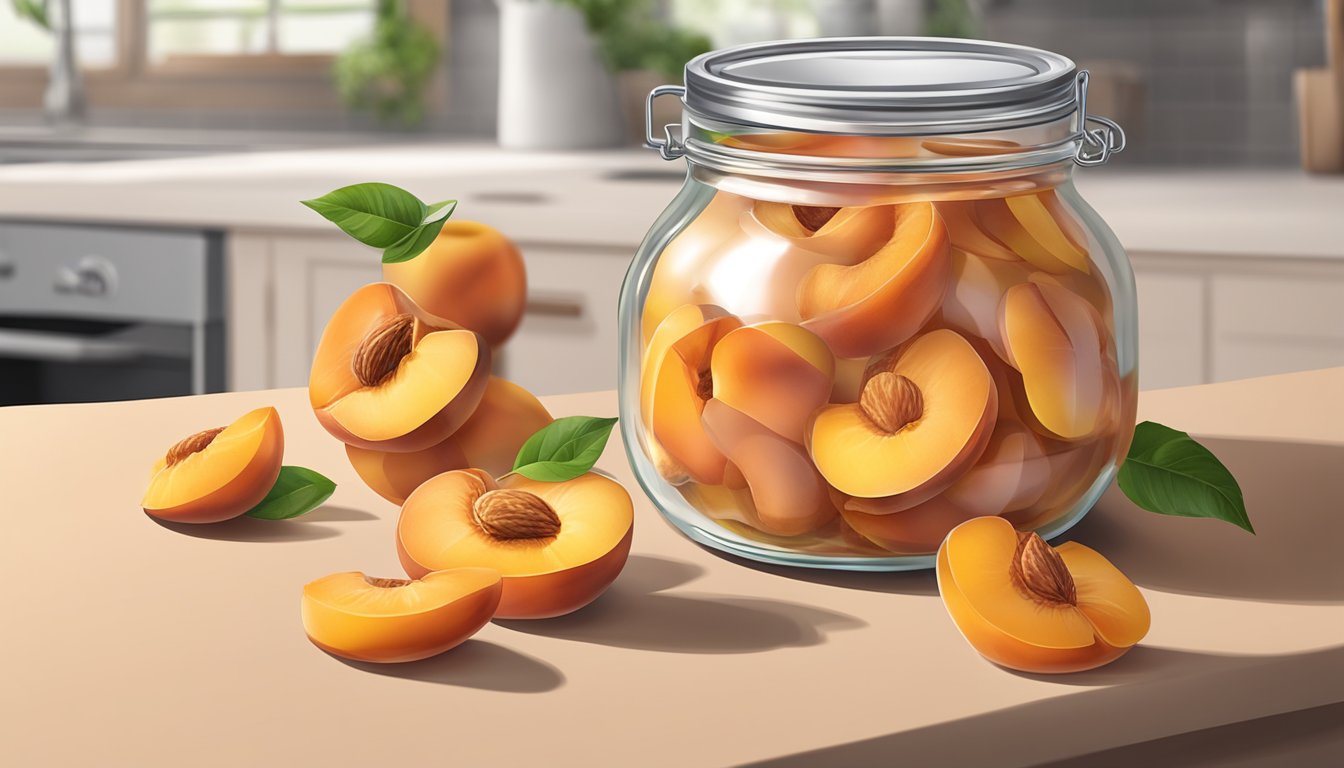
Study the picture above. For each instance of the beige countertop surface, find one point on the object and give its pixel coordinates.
(128, 642)
(612, 198)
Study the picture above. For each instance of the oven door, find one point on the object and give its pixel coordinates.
(58, 360)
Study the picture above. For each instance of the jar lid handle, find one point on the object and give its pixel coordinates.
(669, 146)
(1096, 144)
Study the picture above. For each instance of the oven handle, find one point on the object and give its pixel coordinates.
(65, 348)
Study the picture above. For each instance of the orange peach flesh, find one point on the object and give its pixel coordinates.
(1015, 625)
(776, 373)
(882, 301)
(431, 391)
(224, 476)
(506, 417)
(1054, 339)
(949, 431)
(1012, 474)
(471, 277)
(675, 385)
(916, 530)
(1035, 226)
(544, 576)
(396, 620)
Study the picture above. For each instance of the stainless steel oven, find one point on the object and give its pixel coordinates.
(95, 313)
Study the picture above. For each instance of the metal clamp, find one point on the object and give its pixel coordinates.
(1098, 144)
(670, 147)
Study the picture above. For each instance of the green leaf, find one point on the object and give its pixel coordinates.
(375, 214)
(297, 491)
(1168, 472)
(564, 449)
(34, 11)
(422, 236)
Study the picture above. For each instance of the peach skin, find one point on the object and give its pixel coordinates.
(675, 383)
(219, 473)
(558, 545)
(776, 373)
(918, 424)
(1027, 606)
(1054, 339)
(506, 417)
(882, 301)
(362, 618)
(470, 277)
(383, 380)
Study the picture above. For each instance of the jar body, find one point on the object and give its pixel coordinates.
(836, 373)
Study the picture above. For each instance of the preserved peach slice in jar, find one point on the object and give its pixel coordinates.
(1012, 474)
(675, 382)
(1038, 229)
(966, 233)
(1025, 605)
(1054, 339)
(788, 496)
(847, 235)
(776, 373)
(885, 299)
(975, 291)
(917, 530)
(921, 422)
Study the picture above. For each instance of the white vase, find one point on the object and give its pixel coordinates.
(554, 90)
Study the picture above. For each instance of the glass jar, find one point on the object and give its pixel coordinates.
(878, 307)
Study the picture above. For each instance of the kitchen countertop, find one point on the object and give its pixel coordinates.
(131, 642)
(611, 198)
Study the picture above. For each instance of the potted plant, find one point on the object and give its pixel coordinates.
(386, 73)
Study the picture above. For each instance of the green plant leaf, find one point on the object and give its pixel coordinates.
(34, 11)
(297, 491)
(375, 214)
(1170, 473)
(564, 449)
(422, 236)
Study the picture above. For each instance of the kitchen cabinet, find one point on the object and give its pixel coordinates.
(284, 286)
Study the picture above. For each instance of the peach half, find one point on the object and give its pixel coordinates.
(674, 385)
(1027, 606)
(219, 473)
(788, 496)
(394, 620)
(558, 545)
(384, 380)
(1038, 228)
(776, 373)
(918, 424)
(471, 276)
(1054, 339)
(506, 417)
(885, 299)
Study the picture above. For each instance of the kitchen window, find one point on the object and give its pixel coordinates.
(24, 44)
(266, 28)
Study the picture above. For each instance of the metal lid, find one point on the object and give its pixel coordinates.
(881, 85)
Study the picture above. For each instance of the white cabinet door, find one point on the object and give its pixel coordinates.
(1266, 324)
(1171, 329)
(568, 338)
(312, 276)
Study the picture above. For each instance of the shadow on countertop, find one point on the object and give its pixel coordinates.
(636, 612)
(474, 664)
(248, 529)
(922, 583)
(1294, 496)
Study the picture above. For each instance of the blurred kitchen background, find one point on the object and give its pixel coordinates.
(153, 153)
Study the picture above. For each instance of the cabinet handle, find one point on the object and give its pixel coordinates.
(554, 307)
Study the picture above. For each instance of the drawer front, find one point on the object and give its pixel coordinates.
(1265, 325)
(568, 338)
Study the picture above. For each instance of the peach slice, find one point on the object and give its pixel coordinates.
(917, 425)
(507, 416)
(882, 301)
(914, 531)
(975, 291)
(558, 545)
(470, 277)
(788, 497)
(219, 473)
(1030, 607)
(846, 235)
(393, 620)
(1012, 474)
(966, 233)
(955, 146)
(1054, 339)
(675, 383)
(382, 379)
(776, 373)
(1039, 229)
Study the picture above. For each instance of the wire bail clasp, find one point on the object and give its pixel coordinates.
(1097, 144)
(669, 146)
